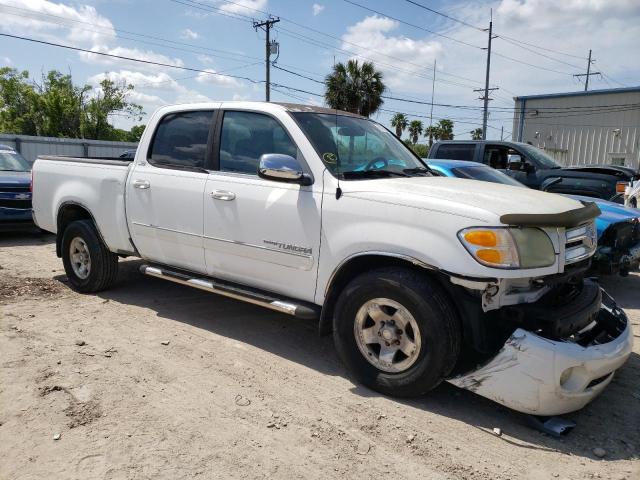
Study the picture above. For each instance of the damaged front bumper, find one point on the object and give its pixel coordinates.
(539, 376)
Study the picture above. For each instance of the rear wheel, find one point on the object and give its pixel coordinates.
(397, 331)
(88, 263)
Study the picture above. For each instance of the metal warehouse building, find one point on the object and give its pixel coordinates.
(597, 126)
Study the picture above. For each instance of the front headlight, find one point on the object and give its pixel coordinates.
(509, 247)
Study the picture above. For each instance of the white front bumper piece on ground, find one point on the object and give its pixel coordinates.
(539, 376)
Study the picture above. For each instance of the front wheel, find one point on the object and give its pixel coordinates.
(397, 331)
(88, 263)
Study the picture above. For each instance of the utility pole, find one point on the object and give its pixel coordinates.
(485, 97)
(433, 89)
(588, 74)
(267, 24)
(502, 133)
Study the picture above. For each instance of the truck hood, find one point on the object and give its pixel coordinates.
(470, 198)
(15, 179)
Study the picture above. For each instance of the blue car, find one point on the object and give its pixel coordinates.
(15, 189)
(618, 226)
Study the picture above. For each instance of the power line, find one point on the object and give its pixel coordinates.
(539, 47)
(444, 15)
(413, 25)
(122, 57)
(531, 64)
(118, 30)
(251, 80)
(536, 53)
(316, 42)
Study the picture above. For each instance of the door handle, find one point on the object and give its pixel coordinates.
(222, 195)
(141, 184)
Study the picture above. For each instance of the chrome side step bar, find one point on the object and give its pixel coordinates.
(238, 292)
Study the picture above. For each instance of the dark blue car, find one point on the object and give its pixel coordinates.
(618, 226)
(15, 189)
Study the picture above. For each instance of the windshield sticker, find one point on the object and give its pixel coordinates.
(329, 157)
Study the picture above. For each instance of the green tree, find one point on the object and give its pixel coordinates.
(355, 88)
(476, 134)
(60, 105)
(135, 133)
(56, 107)
(18, 102)
(432, 132)
(111, 98)
(399, 122)
(446, 129)
(415, 130)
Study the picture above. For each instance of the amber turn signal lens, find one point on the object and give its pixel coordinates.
(484, 238)
(489, 255)
(620, 186)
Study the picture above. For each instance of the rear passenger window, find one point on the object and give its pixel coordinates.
(181, 139)
(456, 151)
(246, 136)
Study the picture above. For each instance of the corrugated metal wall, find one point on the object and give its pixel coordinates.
(583, 129)
(30, 147)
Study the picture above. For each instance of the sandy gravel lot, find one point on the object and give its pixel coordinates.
(156, 380)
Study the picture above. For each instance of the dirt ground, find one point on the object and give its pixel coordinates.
(156, 380)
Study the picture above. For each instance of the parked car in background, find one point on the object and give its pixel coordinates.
(128, 154)
(534, 168)
(618, 227)
(15, 191)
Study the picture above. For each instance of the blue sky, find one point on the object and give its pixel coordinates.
(552, 37)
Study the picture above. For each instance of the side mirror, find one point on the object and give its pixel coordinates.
(282, 168)
(514, 158)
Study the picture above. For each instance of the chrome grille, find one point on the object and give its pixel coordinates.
(581, 242)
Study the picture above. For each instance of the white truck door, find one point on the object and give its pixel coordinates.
(166, 187)
(260, 232)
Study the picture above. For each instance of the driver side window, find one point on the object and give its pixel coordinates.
(246, 136)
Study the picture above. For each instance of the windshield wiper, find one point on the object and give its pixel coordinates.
(373, 174)
(416, 170)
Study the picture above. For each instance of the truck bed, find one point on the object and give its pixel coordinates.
(96, 184)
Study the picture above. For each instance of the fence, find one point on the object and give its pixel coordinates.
(30, 147)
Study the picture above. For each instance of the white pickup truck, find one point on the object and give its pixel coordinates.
(326, 215)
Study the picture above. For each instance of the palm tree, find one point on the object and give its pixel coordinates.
(354, 88)
(433, 133)
(446, 129)
(415, 129)
(400, 122)
(476, 134)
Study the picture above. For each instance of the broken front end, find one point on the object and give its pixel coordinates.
(543, 346)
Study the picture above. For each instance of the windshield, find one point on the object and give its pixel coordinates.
(539, 156)
(11, 161)
(485, 174)
(354, 148)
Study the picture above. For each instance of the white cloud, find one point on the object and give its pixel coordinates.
(151, 90)
(188, 34)
(245, 7)
(317, 9)
(217, 79)
(6, 61)
(84, 25)
(370, 39)
(136, 53)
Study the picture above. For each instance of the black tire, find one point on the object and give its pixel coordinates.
(104, 264)
(434, 314)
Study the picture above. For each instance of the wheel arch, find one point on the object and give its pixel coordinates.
(355, 265)
(69, 212)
